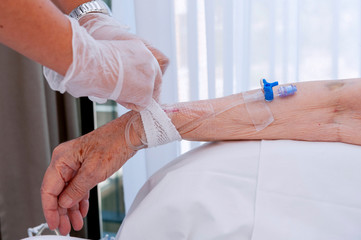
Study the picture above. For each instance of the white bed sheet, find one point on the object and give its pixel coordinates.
(252, 190)
(187, 198)
(308, 191)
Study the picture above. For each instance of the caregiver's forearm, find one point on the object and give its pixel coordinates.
(38, 30)
(319, 111)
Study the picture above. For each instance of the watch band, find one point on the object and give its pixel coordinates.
(94, 6)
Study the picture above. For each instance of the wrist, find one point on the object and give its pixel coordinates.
(93, 6)
(134, 131)
(67, 6)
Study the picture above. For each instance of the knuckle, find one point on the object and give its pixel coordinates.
(43, 190)
(59, 150)
(76, 189)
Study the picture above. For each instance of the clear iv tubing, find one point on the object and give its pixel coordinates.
(209, 115)
(127, 137)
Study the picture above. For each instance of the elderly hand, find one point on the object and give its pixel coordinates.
(78, 165)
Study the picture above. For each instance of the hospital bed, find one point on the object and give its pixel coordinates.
(252, 190)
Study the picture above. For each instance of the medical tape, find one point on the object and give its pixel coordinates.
(158, 128)
(199, 113)
(257, 109)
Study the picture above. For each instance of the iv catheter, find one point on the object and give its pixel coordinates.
(282, 91)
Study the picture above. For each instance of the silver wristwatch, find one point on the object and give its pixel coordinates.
(94, 6)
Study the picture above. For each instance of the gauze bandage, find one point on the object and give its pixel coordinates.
(121, 70)
(158, 127)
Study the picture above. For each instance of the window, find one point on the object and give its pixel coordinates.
(111, 191)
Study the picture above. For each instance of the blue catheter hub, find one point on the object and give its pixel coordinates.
(267, 89)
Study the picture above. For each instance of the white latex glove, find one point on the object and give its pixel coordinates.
(103, 27)
(124, 71)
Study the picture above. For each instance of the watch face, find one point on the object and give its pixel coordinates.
(96, 6)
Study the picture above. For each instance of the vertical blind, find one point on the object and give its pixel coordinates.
(226, 46)
(220, 47)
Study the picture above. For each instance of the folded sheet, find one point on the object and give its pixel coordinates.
(251, 190)
(208, 193)
(308, 190)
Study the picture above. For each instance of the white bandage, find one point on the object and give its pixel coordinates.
(158, 128)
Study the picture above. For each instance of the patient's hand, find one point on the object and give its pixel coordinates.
(77, 166)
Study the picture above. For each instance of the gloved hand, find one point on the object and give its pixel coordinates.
(104, 27)
(124, 71)
(78, 165)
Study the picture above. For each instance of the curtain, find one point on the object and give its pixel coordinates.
(33, 121)
(220, 47)
(160, 16)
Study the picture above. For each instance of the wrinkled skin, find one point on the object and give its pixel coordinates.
(77, 166)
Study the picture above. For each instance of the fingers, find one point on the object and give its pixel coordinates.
(64, 223)
(55, 179)
(77, 167)
(77, 188)
(78, 212)
(102, 27)
(162, 59)
(75, 217)
(62, 218)
(51, 187)
(84, 206)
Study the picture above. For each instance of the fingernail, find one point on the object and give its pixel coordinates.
(65, 201)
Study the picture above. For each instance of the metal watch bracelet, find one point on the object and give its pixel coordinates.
(94, 6)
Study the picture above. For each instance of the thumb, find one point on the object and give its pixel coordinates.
(75, 191)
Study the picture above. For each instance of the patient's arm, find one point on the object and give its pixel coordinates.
(319, 111)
